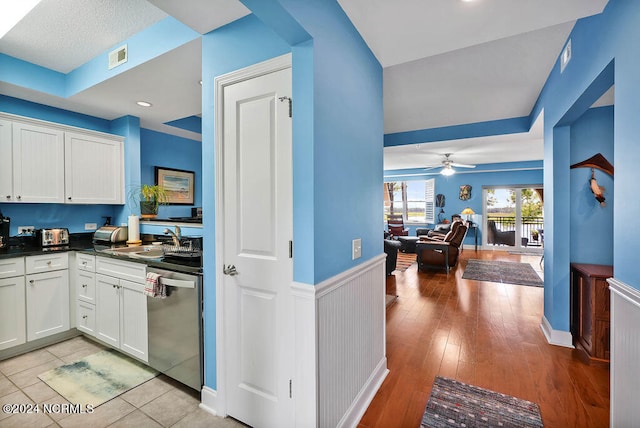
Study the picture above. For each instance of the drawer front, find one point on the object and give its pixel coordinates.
(86, 283)
(46, 263)
(136, 272)
(86, 321)
(86, 262)
(11, 267)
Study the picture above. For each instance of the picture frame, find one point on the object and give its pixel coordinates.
(179, 185)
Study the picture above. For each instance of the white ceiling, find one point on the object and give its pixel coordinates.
(446, 62)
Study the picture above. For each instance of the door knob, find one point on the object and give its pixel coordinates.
(230, 270)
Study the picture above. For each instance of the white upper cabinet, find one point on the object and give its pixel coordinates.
(94, 169)
(38, 164)
(51, 163)
(6, 168)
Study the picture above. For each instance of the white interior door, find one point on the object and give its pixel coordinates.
(257, 227)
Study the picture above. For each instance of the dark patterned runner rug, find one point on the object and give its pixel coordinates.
(457, 404)
(404, 261)
(504, 272)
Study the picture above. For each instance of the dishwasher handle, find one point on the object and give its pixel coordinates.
(177, 282)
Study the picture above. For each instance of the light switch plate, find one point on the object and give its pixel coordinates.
(90, 226)
(356, 249)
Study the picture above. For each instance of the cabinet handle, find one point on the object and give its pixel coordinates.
(69, 198)
(84, 285)
(19, 197)
(31, 281)
(115, 286)
(8, 196)
(84, 317)
(84, 263)
(49, 263)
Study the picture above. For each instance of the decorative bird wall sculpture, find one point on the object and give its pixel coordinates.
(597, 190)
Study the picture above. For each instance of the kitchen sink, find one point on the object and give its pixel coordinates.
(145, 252)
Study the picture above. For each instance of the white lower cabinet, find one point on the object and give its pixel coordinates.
(121, 307)
(47, 296)
(12, 312)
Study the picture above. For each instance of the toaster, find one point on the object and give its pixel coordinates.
(52, 237)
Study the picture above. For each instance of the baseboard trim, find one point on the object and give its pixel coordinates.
(361, 403)
(208, 399)
(556, 337)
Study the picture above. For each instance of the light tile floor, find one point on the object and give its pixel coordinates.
(160, 402)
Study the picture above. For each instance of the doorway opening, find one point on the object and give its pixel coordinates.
(513, 218)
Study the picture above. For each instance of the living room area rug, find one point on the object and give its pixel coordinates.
(97, 378)
(457, 404)
(405, 260)
(503, 272)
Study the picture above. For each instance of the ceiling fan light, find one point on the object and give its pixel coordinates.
(447, 171)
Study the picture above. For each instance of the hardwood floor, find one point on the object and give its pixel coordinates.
(485, 334)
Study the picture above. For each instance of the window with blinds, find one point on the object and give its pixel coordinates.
(415, 200)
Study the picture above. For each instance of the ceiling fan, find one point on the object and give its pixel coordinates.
(447, 165)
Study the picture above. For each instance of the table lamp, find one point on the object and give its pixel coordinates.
(468, 212)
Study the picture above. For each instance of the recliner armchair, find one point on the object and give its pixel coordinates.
(395, 224)
(391, 249)
(496, 236)
(441, 254)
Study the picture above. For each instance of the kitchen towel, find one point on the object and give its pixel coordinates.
(153, 287)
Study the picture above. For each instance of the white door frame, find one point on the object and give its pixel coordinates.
(253, 71)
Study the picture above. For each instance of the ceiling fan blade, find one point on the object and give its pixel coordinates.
(462, 165)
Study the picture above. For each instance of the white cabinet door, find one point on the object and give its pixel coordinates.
(38, 164)
(133, 321)
(47, 303)
(94, 169)
(108, 310)
(12, 312)
(6, 162)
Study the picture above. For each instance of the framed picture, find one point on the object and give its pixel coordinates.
(178, 183)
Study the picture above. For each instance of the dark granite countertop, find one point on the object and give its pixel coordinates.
(27, 247)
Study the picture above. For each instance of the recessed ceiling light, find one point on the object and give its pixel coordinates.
(143, 104)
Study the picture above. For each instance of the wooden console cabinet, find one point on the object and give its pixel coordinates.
(590, 311)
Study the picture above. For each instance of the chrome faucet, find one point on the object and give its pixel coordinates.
(176, 236)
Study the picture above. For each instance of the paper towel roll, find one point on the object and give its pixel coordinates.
(134, 228)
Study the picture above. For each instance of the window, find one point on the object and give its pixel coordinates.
(413, 199)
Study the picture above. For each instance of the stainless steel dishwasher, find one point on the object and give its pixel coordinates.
(175, 328)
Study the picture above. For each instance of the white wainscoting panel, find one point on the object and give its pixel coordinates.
(625, 354)
(351, 342)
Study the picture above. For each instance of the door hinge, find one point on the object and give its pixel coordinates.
(290, 104)
(290, 249)
(290, 388)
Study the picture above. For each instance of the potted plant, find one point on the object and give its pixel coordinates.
(151, 196)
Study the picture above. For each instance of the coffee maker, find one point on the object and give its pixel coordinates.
(4, 231)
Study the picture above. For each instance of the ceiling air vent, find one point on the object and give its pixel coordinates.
(118, 56)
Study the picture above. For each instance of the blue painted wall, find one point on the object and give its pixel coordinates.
(604, 52)
(160, 149)
(591, 224)
(500, 174)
